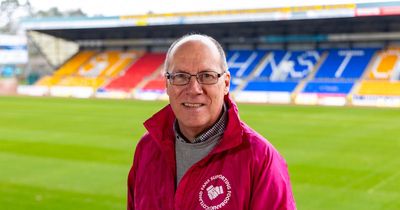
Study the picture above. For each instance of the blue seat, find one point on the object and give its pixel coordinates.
(345, 63)
(332, 87)
(270, 86)
(242, 62)
(302, 63)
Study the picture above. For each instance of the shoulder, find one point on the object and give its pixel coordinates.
(145, 140)
(146, 143)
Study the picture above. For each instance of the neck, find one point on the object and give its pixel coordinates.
(189, 133)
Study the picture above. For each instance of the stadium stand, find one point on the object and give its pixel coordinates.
(300, 64)
(386, 63)
(336, 76)
(281, 70)
(152, 88)
(332, 87)
(270, 86)
(277, 75)
(382, 85)
(336, 60)
(340, 65)
(257, 75)
(90, 69)
(87, 71)
(137, 72)
(70, 67)
(101, 68)
(345, 63)
(241, 63)
(384, 88)
(156, 85)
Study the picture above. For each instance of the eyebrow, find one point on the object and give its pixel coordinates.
(204, 70)
(180, 71)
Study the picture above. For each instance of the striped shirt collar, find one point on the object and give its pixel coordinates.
(217, 128)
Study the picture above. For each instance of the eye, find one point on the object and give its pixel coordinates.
(180, 76)
(207, 75)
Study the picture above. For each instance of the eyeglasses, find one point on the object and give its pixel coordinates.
(204, 77)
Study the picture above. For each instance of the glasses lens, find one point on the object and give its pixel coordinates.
(208, 77)
(180, 78)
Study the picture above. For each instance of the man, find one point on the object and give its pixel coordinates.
(197, 153)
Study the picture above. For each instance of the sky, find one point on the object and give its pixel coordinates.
(133, 7)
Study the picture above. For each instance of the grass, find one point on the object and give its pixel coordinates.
(75, 154)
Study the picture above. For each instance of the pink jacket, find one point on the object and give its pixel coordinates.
(244, 171)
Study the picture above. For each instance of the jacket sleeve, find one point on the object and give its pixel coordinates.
(271, 184)
(131, 186)
(132, 179)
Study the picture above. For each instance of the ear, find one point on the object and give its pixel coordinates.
(227, 82)
(165, 78)
(167, 86)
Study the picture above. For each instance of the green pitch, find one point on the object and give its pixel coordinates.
(75, 154)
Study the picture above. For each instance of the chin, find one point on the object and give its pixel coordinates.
(196, 123)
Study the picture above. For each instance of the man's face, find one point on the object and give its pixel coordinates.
(197, 106)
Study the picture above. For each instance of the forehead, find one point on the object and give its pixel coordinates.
(195, 55)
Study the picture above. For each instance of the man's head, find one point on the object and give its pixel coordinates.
(197, 104)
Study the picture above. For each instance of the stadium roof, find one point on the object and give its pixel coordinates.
(264, 23)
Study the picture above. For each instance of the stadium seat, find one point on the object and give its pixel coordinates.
(280, 71)
(383, 78)
(69, 68)
(284, 65)
(386, 64)
(139, 70)
(376, 87)
(331, 87)
(267, 86)
(242, 62)
(157, 85)
(345, 63)
(93, 72)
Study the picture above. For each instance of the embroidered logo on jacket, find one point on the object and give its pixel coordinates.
(215, 192)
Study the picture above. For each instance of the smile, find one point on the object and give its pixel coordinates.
(192, 105)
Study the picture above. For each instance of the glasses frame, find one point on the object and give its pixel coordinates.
(170, 75)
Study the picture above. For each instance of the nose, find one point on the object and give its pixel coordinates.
(194, 86)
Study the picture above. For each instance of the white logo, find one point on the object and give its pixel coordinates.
(215, 192)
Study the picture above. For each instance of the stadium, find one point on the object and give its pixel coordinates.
(321, 82)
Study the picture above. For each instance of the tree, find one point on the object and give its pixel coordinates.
(75, 13)
(10, 12)
(55, 12)
(52, 12)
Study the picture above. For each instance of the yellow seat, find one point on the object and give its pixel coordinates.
(73, 64)
(386, 65)
(379, 87)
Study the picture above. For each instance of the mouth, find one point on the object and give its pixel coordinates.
(193, 105)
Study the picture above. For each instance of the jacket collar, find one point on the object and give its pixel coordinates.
(160, 127)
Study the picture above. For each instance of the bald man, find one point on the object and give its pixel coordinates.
(197, 153)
